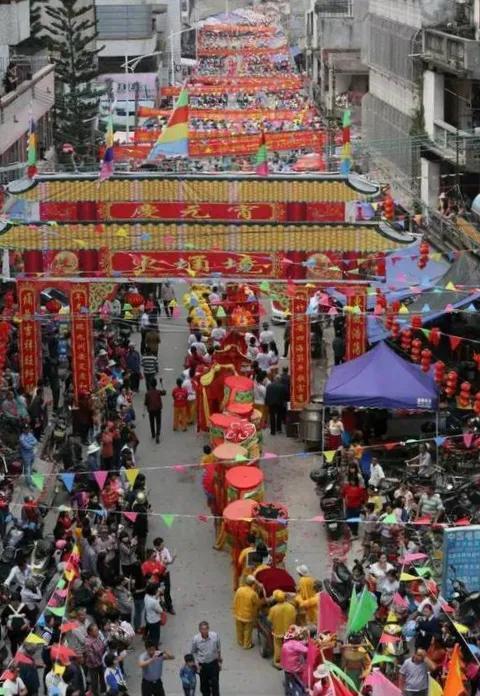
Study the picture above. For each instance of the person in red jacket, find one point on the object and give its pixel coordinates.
(180, 406)
(354, 496)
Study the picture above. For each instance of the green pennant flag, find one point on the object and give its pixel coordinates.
(57, 611)
(423, 570)
(377, 659)
(347, 118)
(352, 607)
(264, 286)
(389, 519)
(332, 667)
(61, 584)
(426, 332)
(220, 313)
(38, 480)
(241, 458)
(364, 611)
(168, 519)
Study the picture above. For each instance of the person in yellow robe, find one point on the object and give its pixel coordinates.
(310, 605)
(246, 604)
(305, 591)
(282, 615)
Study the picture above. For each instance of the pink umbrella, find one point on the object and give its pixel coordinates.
(412, 557)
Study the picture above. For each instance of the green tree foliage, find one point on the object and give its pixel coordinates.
(68, 28)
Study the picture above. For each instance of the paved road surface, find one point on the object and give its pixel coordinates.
(201, 576)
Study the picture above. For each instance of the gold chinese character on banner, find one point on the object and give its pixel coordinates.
(193, 211)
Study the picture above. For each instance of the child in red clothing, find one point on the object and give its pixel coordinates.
(180, 406)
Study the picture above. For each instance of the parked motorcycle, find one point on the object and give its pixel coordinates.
(332, 508)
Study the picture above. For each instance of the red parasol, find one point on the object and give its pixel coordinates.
(276, 579)
(62, 652)
(309, 163)
(22, 659)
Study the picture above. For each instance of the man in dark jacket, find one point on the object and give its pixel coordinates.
(133, 361)
(275, 400)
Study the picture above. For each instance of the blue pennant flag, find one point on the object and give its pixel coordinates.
(68, 480)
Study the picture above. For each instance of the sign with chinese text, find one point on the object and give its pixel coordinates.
(172, 264)
(461, 558)
(30, 342)
(82, 358)
(356, 324)
(300, 375)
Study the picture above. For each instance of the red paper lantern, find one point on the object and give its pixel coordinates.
(416, 322)
(406, 339)
(476, 404)
(439, 371)
(134, 298)
(424, 248)
(395, 329)
(395, 306)
(389, 208)
(416, 348)
(389, 322)
(53, 306)
(464, 398)
(434, 336)
(426, 360)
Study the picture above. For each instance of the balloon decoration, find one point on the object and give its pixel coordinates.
(465, 394)
(426, 359)
(416, 350)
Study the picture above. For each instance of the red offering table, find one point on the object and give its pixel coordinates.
(244, 482)
(237, 518)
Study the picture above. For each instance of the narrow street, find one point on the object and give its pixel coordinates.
(201, 576)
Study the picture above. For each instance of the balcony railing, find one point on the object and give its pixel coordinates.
(455, 54)
(458, 146)
(334, 8)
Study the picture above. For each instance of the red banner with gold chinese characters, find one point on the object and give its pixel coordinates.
(82, 343)
(300, 369)
(192, 211)
(30, 341)
(173, 264)
(356, 324)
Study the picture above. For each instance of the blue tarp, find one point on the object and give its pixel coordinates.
(381, 379)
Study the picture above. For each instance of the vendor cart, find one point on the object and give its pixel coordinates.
(272, 579)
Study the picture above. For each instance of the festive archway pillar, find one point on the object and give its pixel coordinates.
(356, 322)
(82, 338)
(300, 350)
(30, 343)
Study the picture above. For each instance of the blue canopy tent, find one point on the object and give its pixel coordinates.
(381, 379)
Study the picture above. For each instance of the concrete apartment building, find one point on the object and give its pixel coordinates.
(333, 41)
(26, 89)
(421, 115)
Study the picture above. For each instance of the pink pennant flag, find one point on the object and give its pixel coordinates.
(399, 601)
(330, 616)
(100, 478)
(318, 518)
(332, 312)
(131, 516)
(269, 455)
(412, 557)
(381, 686)
(449, 307)
(202, 518)
(181, 468)
(468, 439)
(387, 638)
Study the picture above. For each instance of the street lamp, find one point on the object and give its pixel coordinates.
(130, 65)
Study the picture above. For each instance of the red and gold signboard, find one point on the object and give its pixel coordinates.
(238, 115)
(300, 369)
(82, 344)
(192, 211)
(173, 264)
(30, 342)
(249, 144)
(356, 324)
(215, 85)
